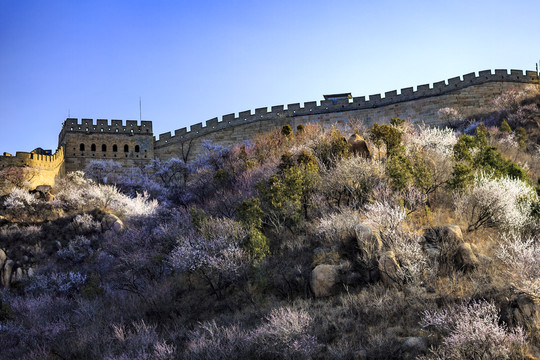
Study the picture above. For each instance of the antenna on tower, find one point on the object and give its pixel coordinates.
(140, 109)
(69, 110)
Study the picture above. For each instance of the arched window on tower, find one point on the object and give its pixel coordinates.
(115, 148)
(137, 149)
(93, 147)
(81, 147)
(104, 147)
(126, 148)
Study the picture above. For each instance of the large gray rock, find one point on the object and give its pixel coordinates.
(523, 310)
(449, 234)
(369, 242)
(3, 258)
(389, 268)
(358, 146)
(323, 279)
(7, 271)
(412, 347)
(466, 260)
(111, 222)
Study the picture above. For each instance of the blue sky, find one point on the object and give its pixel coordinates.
(192, 61)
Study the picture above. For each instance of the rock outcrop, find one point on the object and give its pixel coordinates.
(323, 279)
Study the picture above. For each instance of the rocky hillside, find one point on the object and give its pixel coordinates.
(395, 241)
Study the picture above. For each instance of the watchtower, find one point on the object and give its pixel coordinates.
(131, 144)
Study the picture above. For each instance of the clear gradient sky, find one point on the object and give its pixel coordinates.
(194, 60)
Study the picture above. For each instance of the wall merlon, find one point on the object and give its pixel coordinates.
(486, 74)
(212, 123)
(195, 127)
(102, 122)
(310, 105)
(470, 77)
(165, 136)
(277, 108)
(228, 118)
(501, 73)
(244, 114)
(454, 82)
(374, 99)
(116, 123)
(407, 92)
(531, 75)
(439, 86)
(180, 132)
(391, 94)
(293, 107)
(261, 111)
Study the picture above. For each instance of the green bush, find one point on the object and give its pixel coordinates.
(399, 170)
(332, 148)
(505, 128)
(286, 130)
(287, 194)
(389, 135)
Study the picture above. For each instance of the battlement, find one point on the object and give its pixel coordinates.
(37, 161)
(104, 126)
(345, 104)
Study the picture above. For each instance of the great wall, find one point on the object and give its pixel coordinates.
(133, 144)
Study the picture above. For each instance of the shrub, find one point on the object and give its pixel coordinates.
(389, 135)
(283, 335)
(286, 130)
(473, 331)
(103, 171)
(287, 195)
(522, 257)
(505, 128)
(351, 181)
(214, 255)
(502, 202)
(330, 146)
(20, 202)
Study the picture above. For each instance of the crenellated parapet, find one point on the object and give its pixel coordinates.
(104, 126)
(38, 161)
(346, 105)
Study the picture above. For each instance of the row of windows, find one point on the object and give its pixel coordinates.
(114, 148)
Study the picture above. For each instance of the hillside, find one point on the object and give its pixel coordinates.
(395, 241)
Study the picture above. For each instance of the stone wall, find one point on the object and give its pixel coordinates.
(470, 93)
(49, 167)
(132, 145)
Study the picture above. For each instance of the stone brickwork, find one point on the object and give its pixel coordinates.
(49, 166)
(131, 144)
(469, 93)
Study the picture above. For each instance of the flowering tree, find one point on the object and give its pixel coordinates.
(213, 254)
(504, 202)
(522, 256)
(473, 331)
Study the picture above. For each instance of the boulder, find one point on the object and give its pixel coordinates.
(413, 346)
(369, 242)
(523, 310)
(7, 272)
(389, 268)
(112, 222)
(3, 258)
(465, 258)
(323, 279)
(449, 234)
(358, 146)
